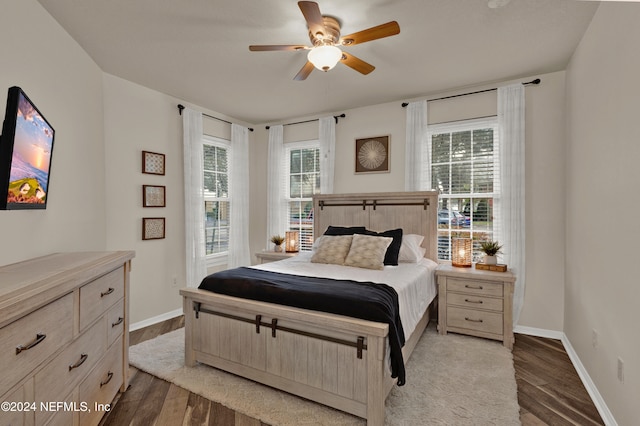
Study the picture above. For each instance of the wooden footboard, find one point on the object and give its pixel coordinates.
(330, 359)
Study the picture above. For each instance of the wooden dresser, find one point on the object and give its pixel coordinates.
(63, 337)
(476, 302)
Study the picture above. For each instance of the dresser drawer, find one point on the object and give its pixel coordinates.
(43, 332)
(13, 417)
(102, 384)
(99, 295)
(64, 417)
(475, 302)
(115, 322)
(67, 369)
(488, 322)
(484, 288)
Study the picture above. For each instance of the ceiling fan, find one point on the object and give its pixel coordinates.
(324, 32)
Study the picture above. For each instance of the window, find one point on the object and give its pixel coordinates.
(216, 196)
(464, 168)
(303, 167)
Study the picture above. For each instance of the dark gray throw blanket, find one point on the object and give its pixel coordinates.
(364, 300)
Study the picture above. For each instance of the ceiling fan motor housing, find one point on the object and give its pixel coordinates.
(332, 29)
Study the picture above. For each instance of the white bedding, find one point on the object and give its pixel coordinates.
(414, 282)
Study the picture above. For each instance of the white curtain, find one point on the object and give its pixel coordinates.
(417, 157)
(511, 202)
(327, 132)
(193, 197)
(239, 197)
(276, 206)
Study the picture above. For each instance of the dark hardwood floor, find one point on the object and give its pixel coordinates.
(549, 391)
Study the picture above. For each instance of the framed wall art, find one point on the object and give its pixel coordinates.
(152, 163)
(372, 155)
(153, 228)
(153, 196)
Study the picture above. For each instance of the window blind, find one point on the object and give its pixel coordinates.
(464, 168)
(303, 167)
(216, 195)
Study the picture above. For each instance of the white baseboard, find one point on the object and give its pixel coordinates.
(155, 320)
(592, 390)
(539, 332)
(598, 401)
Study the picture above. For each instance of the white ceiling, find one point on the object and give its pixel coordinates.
(197, 50)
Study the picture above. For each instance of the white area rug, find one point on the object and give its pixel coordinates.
(451, 380)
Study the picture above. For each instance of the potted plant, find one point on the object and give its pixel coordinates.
(490, 250)
(277, 240)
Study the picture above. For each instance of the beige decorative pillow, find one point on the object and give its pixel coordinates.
(367, 251)
(332, 249)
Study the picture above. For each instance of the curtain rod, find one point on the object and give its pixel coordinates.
(181, 107)
(309, 121)
(536, 81)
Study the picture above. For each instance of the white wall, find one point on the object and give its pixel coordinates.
(545, 208)
(140, 119)
(65, 84)
(603, 153)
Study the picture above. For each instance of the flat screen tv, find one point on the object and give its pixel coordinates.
(25, 154)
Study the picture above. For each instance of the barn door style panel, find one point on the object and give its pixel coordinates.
(414, 212)
(325, 365)
(309, 361)
(410, 218)
(347, 215)
(230, 339)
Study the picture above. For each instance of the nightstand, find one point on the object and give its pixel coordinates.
(476, 302)
(272, 256)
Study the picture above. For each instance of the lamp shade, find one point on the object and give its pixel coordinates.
(291, 242)
(461, 252)
(324, 57)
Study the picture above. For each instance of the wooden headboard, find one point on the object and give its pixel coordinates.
(414, 212)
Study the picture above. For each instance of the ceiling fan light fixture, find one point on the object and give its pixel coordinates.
(324, 57)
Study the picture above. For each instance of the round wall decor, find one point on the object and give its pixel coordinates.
(372, 154)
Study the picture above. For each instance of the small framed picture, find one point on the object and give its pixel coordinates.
(372, 155)
(153, 196)
(152, 163)
(153, 228)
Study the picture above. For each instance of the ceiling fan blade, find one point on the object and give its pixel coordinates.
(271, 47)
(304, 72)
(356, 63)
(373, 33)
(312, 14)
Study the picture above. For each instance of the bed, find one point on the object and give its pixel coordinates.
(333, 359)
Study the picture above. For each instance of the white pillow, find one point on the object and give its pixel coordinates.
(410, 249)
(331, 249)
(367, 251)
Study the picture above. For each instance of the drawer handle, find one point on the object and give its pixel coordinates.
(480, 302)
(120, 319)
(39, 338)
(83, 358)
(473, 287)
(473, 320)
(109, 377)
(111, 290)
